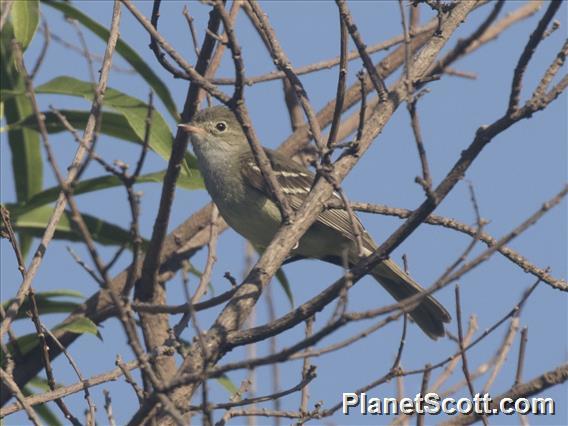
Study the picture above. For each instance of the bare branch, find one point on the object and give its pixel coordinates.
(376, 79)
(534, 40)
(535, 386)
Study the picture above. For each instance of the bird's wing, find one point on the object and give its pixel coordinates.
(296, 182)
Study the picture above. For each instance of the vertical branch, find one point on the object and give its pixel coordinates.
(341, 83)
(396, 364)
(407, 50)
(307, 369)
(293, 105)
(501, 356)
(465, 367)
(189, 20)
(363, 109)
(44, 48)
(425, 181)
(520, 365)
(521, 360)
(161, 56)
(86, 53)
(402, 418)
(249, 384)
(108, 408)
(211, 257)
(283, 63)
(148, 288)
(534, 40)
(423, 389)
(220, 49)
(376, 79)
(275, 368)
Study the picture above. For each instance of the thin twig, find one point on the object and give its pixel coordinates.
(273, 348)
(40, 332)
(284, 64)
(63, 391)
(15, 390)
(535, 386)
(108, 408)
(307, 370)
(534, 40)
(451, 223)
(189, 20)
(396, 363)
(41, 57)
(75, 368)
(318, 66)
(5, 213)
(423, 389)
(465, 367)
(501, 355)
(521, 359)
(129, 378)
(376, 79)
(341, 85)
(155, 45)
(248, 401)
(85, 48)
(555, 66)
(211, 258)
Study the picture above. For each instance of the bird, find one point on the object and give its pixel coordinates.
(237, 187)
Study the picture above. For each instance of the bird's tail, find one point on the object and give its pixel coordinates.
(430, 315)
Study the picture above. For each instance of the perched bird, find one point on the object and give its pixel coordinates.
(236, 185)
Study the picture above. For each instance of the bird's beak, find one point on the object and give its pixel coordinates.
(192, 129)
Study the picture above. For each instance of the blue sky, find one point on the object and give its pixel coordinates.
(520, 169)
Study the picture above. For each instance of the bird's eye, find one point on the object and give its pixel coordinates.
(221, 126)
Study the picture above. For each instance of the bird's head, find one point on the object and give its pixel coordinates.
(215, 128)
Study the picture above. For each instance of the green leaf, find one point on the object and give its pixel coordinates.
(124, 50)
(39, 383)
(80, 325)
(224, 381)
(25, 343)
(105, 182)
(285, 284)
(25, 19)
(24, 144)
(42, 410)
(133, 109)
(193, 270)
(47, 305)
(33, 222)
(27, 165)
(112, 124)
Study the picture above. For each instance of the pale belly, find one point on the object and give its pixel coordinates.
(259, 220)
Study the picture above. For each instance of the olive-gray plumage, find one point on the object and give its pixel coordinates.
(236, 185)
